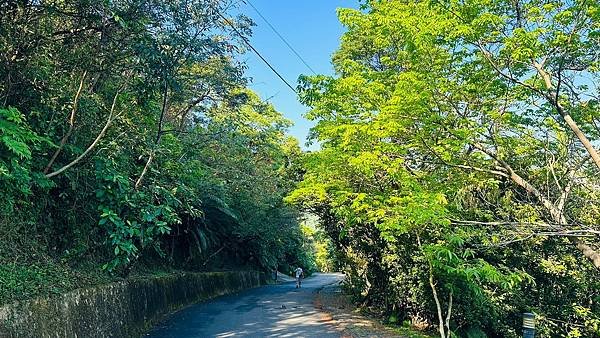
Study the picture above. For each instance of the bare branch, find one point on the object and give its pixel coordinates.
(434, 291)
(138, 182)
(487, 56)
(555, 213)
(159, 135)
(449, 312)
(111, 118)
(489, 171)
(63, 141)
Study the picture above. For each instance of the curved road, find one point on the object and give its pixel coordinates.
(268, 311)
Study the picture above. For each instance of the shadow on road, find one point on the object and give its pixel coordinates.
(270, 311)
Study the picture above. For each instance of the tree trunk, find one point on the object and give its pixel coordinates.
(556, 214)
(435, 294)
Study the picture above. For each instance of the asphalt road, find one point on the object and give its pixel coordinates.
(268, 311)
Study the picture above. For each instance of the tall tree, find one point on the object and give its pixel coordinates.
(446, 132)
(128, 137)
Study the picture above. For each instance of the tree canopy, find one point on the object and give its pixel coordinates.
(458, 169)
(129, 138)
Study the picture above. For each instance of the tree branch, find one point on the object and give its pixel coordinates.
(63, 141)
(159, 135)
(555, 213)
(138, 182)
(449, 313)
(110, 119)
(434, 291)
(554, 100)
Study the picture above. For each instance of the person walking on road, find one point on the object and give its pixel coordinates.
(299, 275)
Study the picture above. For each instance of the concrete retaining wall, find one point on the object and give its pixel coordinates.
(124, 309)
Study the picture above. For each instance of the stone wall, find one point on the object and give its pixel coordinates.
(123, 309)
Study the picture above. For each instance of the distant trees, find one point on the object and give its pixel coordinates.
(458, 173)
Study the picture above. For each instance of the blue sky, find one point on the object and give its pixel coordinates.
(312, 28)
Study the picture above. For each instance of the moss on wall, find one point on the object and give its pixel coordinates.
(123, 309)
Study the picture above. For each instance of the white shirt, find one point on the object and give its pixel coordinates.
(298, 272)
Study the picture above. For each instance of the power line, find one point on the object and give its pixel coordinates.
(256, 52)
(281, 37)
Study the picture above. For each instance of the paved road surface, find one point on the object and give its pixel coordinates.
(268, 311)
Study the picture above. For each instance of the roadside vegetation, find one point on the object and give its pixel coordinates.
(130, 144)
(458, 170)
(456, 184)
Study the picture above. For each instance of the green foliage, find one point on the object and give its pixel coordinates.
(17, 141)
(27, 281)
(323, 250)
(318, 249)
(128, 139)
(455, 162)
(133, 219)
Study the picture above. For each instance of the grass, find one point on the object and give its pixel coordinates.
(408, 332)
(26, 281)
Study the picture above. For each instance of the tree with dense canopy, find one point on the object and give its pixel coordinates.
(458, 169)
(129, 140)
